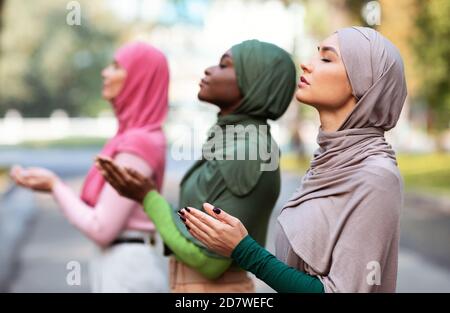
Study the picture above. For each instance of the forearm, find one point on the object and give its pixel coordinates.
(87, 219)
(185, 251)
(282, 278)
(104, 222)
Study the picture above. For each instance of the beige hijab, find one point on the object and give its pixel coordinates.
(343, 221)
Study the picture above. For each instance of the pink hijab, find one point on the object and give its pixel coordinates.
(141, 108)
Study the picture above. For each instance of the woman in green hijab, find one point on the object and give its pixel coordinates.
(254, 81)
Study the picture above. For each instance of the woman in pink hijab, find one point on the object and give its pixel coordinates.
(136, 84)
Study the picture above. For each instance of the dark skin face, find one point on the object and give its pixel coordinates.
(220, 86)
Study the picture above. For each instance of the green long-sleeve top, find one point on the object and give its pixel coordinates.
(282, 278)
(160, 212)
(248, 254)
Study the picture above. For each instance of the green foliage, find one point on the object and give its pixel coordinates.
(432, 47)
(354, 7)
(47, 64)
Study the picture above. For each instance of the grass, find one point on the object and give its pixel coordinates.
(69, 142)
(429, 172)
(425, 172)
(3, 179)
(291, 162)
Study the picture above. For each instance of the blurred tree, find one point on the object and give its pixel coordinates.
(353, 8)
(2, 2)
(432, 48)
(421, 31)
(47, 63)
(397, 24)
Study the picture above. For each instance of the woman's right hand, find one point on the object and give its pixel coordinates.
(126, 181)
(35, 178)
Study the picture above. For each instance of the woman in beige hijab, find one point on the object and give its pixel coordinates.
(340, 230)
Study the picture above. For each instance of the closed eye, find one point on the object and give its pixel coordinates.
(326, 60)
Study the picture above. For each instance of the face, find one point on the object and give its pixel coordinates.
(324, 83)
(113, 80)
(220, 86)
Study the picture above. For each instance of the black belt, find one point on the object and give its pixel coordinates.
(127, 240)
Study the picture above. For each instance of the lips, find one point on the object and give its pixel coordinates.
(203, 82)
(303, 80)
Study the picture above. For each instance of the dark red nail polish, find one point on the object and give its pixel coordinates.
(188, 227)
(180, 212)
(187, 209)
(183, 219)
(217, 210)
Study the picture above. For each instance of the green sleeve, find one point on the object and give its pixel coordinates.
(185, 251)
(281, 277)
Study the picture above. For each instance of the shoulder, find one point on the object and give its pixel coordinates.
(381, 172)
(381, 187)
(149, 146)
(142, 137)
(131, 160)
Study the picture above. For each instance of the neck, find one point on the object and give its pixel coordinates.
(331, 120)
(228, 109)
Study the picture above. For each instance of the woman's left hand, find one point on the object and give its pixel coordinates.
(35, 178)
(219, 231)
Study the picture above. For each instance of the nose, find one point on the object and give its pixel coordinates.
(105, 72)
(307, 68)
(208, 71)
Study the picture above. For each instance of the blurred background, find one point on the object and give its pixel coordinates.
(52, 113)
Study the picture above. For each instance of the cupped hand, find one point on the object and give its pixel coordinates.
(35, 178)
(218, 230)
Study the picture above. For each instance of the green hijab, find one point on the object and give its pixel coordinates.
(266, 78)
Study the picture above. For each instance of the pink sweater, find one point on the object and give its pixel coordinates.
(112, 214)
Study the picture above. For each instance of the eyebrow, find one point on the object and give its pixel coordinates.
(226, 55)
(328, 48)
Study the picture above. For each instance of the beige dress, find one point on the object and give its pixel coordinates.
(184, 279)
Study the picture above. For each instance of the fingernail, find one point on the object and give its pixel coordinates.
(183, 219)
(217, 210)
(187, 227)
(180, 212)
(187, 209)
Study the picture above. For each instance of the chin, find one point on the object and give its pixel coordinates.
(202, 97)
(301, 98)
(106, 96)
(305, 97)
